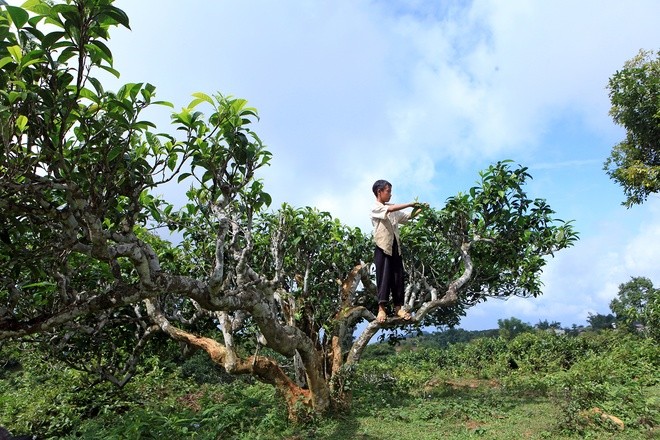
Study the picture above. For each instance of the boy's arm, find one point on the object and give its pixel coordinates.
(418, 207)
(400, 206)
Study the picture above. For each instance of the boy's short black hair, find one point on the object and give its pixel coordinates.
(380, 185)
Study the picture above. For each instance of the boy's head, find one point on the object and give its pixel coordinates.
(380, 185)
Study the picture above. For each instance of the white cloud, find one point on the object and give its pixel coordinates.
(642, 253)
(529, 62)
(343, 85)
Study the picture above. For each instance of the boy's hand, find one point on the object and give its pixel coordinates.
(417, 208)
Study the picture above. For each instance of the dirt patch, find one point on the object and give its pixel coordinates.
(191, 401)
(461, 383)
(473, 425)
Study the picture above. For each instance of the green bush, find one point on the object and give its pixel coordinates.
(545, 352)
(227, 411)
(611, 370)
(54, 402)
(620, 379)
(201, 369)
(483, 357)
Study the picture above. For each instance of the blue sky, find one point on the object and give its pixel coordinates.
(425, 94)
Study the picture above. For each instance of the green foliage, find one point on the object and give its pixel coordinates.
(512, 327)
(619, 380)
(506, 234)
(546, 325)
(638, 303)
(227, 412)
(635, 96)
(49, 399)
(53, 401)
(79, 163)
(613, 371)
(376, 351)
(484, 358)
(450, 336)
(547, 352)
(202, 370)
(69, 147)
(601, 322)
(317, 252)
(464, 390)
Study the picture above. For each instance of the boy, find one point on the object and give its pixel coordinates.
(386, 218)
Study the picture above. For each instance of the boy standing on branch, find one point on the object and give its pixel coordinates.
(386, 218)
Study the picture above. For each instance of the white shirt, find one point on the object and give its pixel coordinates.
(386, 226)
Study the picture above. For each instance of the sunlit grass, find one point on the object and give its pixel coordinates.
(423, 394)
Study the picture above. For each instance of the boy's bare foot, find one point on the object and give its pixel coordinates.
(402, 313)
(382, 315)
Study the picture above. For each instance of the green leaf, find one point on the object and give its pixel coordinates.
(52, 38)
(18, 16)
(172, 161)
(36, 6)
(103, 49)
(195, 102)
(34, 55)
(14, 96)
(116, 151)
(86, 93)
(31, 62)
(15, 52)
(183, 176)
(6, 60)
(146, 94)
(111, 70)
(118, 15)
(267, 199)
(40, 284)
(208, 175)
(183, 117)
(33, 22)
(21, 123)
(165, 103)
(143, 125)
(97, 85)
(155, 213)
(125, 90)
(67, 54)
(201, 97)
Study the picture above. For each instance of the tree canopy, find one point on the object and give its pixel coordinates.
(600, 322)
(634, 163)
(85, 255)
(638, 303)
(512, 327)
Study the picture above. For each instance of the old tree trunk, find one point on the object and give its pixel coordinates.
(277, 295)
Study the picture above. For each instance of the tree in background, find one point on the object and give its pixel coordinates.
(638, 302)
(512, 327)
(546, 325)
(601, 322)
(635, 96)
(277, 295)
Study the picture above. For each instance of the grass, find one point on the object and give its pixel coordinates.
(470, 410)
(416, 395)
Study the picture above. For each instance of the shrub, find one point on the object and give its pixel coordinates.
(201, 369)
(619, 380)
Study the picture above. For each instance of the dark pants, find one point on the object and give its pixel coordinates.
(389, 276)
